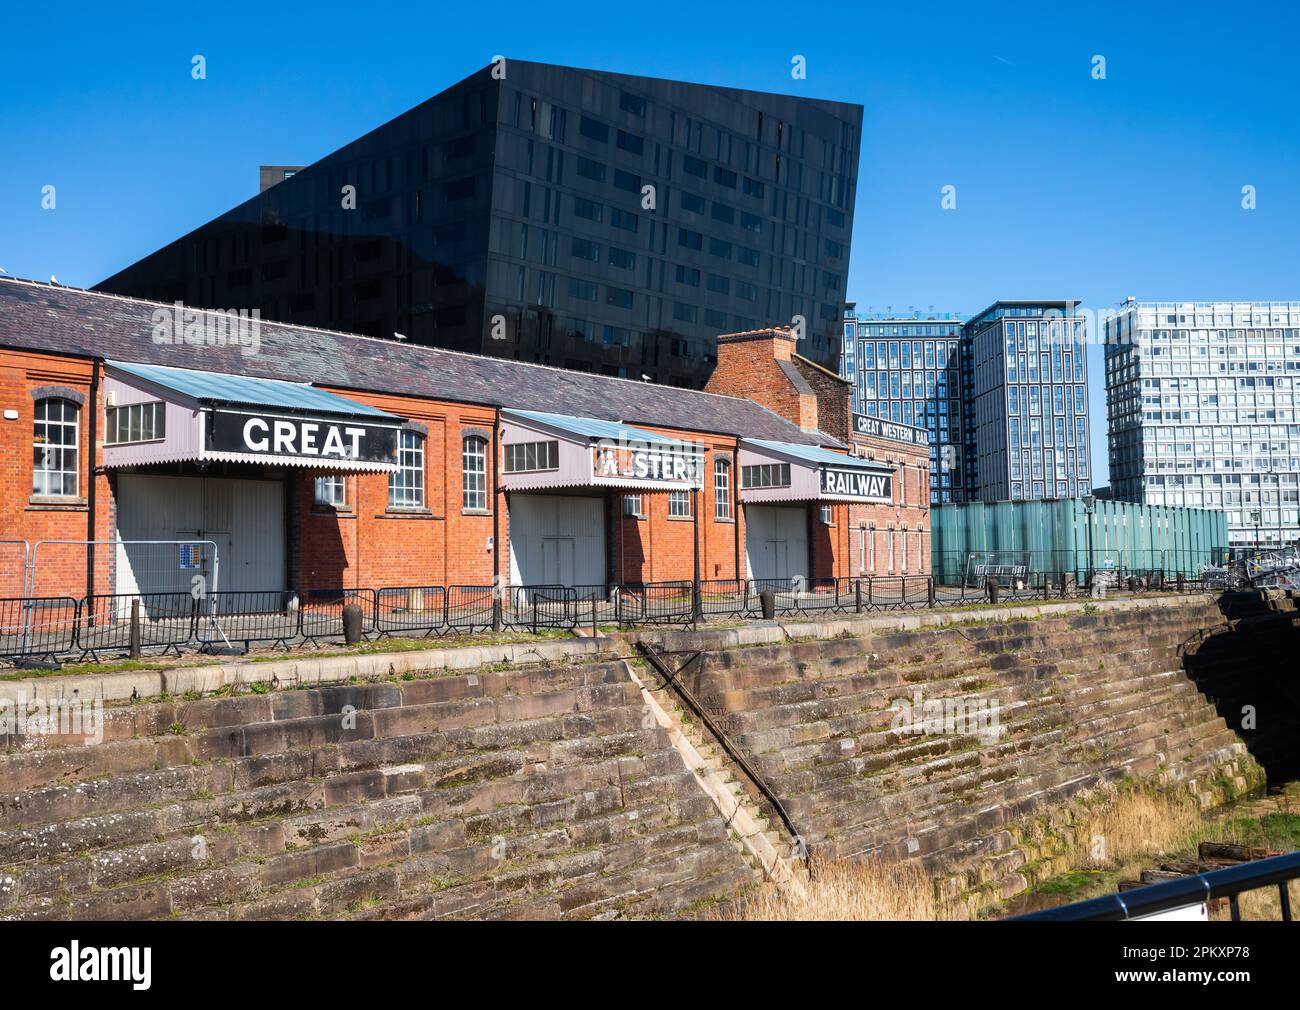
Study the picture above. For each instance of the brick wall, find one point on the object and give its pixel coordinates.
(365, 543)
(749, 364)
(61, 569)
(834, 402)
(748, 367)
(908, 516)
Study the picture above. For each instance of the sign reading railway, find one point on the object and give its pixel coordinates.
(856, 484)
(303, 437)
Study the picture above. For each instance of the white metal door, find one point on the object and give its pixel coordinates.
(556, 540)
(776, 541)
(558, 560)
(245, 518)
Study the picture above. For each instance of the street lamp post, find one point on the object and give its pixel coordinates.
(696, 594)
(1089, 504)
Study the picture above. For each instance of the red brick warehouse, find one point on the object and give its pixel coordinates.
(315, 459)
(876, 535)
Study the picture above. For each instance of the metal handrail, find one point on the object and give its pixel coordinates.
(673, 679)
(1192, 889)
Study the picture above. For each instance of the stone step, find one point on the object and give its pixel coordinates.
(428, 757)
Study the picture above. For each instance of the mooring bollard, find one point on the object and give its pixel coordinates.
(767, 600)
(133, 643)
(1069, 583)
(995, 590)
(857, 596)
(1179, 581)
(351, 623)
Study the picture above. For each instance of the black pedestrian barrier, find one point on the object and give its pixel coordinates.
(724, 598)
(166, 622)
(266, 615)
(38, 626)
(320, 612)
(655, 603)
(408, 610)
(535, 607)
(52, 626)
(473, 608)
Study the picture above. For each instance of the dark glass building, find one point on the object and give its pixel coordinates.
(577, 218)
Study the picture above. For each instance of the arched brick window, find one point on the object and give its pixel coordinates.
(56, 442)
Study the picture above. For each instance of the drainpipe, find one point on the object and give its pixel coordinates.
(92, 481)
(496, 522)
(735, 508)
(695, 580)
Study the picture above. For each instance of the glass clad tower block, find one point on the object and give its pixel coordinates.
(1003, 395)
(1203, 404)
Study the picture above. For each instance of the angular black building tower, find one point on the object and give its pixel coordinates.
(577, 218)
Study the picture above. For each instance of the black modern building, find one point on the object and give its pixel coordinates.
(578, 218)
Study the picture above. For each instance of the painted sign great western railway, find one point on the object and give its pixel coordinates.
(876, 427)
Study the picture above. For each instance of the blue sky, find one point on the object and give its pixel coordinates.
(1066, 186)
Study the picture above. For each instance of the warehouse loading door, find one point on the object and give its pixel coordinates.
(245, 518)
(556, 540)
(776, 542)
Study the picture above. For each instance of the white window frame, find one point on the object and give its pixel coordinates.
(677, 501)
(722, 490)
(51, 459)
(134, 423)
(330, 490)
(473, 473)
(406, 485)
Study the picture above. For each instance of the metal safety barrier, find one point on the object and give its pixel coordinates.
(53, 626)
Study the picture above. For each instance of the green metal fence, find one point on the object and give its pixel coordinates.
(1065, 535)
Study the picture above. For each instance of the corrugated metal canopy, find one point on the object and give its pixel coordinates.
(816, 455)
(593, 427)
(220, 387)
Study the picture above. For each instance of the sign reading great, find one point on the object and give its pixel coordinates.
(877, 427)
(306, 437)
(877, 487)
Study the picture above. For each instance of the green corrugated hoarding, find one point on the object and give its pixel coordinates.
(1052, 536)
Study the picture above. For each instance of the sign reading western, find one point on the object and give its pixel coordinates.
(857, 484)
(647, 461)
(877, 427)
(304, 437)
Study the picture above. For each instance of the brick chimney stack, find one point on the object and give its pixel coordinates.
(759, 365)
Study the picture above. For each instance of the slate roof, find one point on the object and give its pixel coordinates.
(61, 320)
(813, 454)
(593, 427)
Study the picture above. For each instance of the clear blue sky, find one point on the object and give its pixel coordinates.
(1066, 186)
